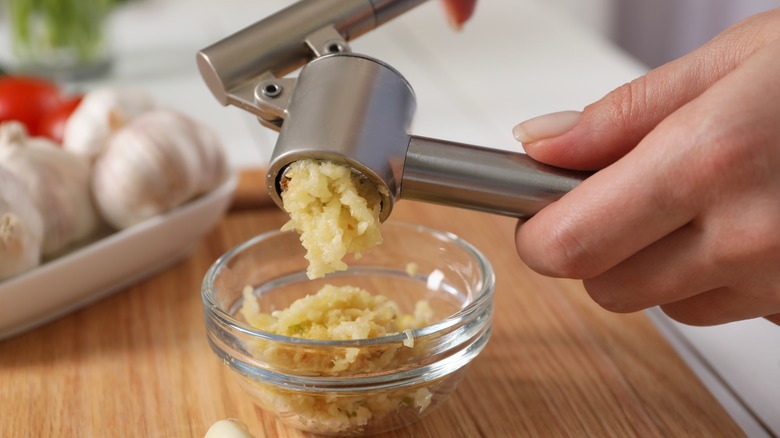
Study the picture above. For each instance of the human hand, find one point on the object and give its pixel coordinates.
(458, 11)
(685, 212)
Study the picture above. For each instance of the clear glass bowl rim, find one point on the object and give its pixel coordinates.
(482, 298)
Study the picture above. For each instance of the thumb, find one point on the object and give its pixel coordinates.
(609, 128)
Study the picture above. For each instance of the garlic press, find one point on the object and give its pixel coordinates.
(356, 110)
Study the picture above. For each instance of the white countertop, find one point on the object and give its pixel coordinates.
(514, 60)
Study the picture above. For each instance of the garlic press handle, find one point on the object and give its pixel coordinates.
(234, 66)
(484, 179)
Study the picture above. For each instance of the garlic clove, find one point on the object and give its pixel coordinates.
(58, 185)
(21, 227)
(230, 428)
(158, 161)
(100, 113)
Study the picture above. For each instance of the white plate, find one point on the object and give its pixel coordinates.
(109, 264)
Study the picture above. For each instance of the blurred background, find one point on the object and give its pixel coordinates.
(529, 57)
(685, 24)
(633, 25)
(527, 62)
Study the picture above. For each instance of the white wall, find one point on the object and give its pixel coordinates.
(599, 15)
(657, 31)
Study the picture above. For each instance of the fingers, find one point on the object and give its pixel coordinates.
(713, 270)
(693, 210)
(694, 282)
(616, 212)
(718, 306)
(659, 274)
(458, 11)
(609, 128)
(721, 142)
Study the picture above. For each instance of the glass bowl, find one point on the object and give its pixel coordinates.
(390, 381)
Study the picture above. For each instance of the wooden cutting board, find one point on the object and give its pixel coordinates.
(137, 364)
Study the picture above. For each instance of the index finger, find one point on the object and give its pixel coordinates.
(614, 213)
(459, 11)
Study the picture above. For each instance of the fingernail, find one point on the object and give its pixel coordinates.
(453, 22)
(546, 126)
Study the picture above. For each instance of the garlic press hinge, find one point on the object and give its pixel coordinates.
(272, 95)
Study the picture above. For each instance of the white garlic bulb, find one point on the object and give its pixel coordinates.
(100, 113)
(158, 161)
(58, 182)
(21, 227)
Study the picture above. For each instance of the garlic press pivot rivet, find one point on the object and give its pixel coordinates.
(271, 89)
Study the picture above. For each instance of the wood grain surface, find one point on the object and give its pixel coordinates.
(137, 364)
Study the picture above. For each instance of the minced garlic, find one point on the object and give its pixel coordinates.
(335, 211)
(338, 313)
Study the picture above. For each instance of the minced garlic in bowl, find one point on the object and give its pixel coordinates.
(338, 313)
(362, 351)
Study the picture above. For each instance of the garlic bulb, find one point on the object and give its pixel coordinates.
(100, 113)
(158, 161)
(58, 182)
(21, 227)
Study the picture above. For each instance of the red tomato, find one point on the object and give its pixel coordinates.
(27, 99)
(52, 125)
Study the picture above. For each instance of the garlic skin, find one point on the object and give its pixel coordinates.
(21, 227)
(100, 113)
(58, 184)
(158, 161)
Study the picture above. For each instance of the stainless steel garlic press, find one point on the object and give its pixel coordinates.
(357, 110)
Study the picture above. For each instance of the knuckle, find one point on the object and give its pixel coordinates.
(626, 104)
(568, 255)
(734, 151)
(753, 246)
(609, 297)
(700, 316)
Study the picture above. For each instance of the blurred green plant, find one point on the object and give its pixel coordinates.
(52, 28)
